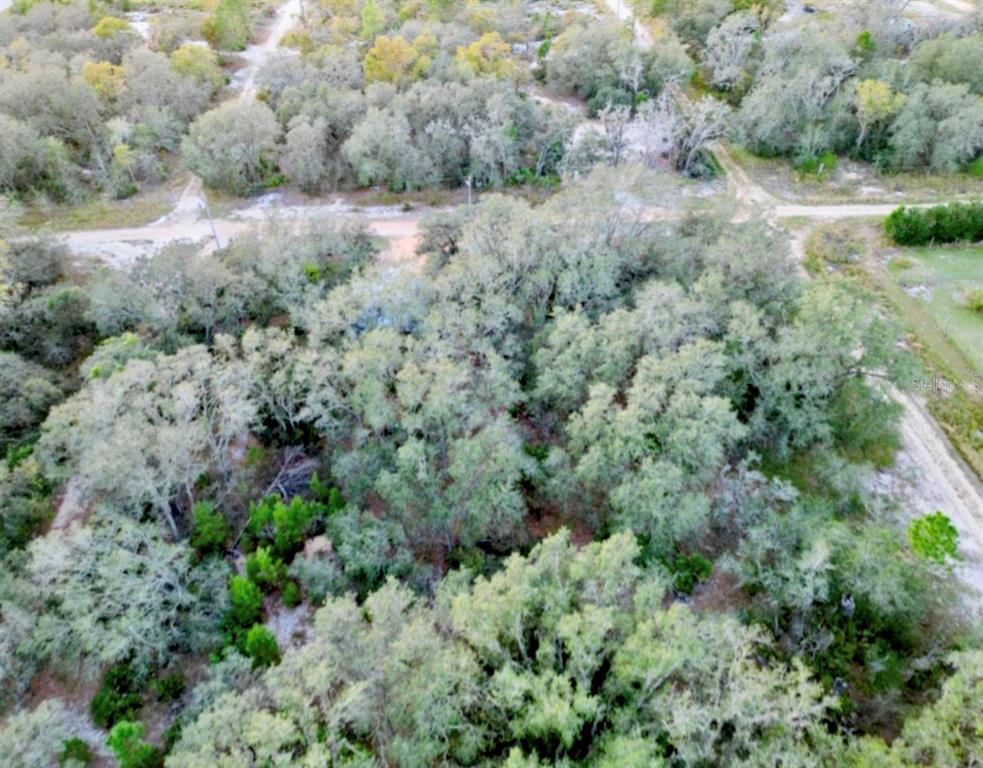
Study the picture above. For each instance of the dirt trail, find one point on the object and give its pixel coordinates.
(625, 13)
(287, 16)
(928, 476)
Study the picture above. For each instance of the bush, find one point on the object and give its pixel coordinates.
(934, 537)
(818, 166)
(975, 301)
(262, 647)
(955, 222)
(118, 698)
(76, 751)
(171, 687)
(688, 571)
(246, 602)
(126, 741)
(265, 569)
(211, 532)
(286, 526)
(291, 594)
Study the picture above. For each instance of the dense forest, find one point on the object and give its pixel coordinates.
(585, 482)
(288, 425)
(410, 95)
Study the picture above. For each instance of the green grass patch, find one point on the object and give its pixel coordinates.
(101, 214)
(944, 281)
(958, 409)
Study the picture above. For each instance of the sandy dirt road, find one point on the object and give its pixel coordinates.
(287, 17)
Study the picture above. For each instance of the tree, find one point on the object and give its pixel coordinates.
(142, 439)
(488, 55)
(953, 60)
(392, 60)
(228, 26)
(934, 537)
(939, 125)
(33, 263)
(786, 110)
(210, 529)
(381, 151)
(106, 78)
(234, 146)
(158, 95)
(729, 52)
(305, 156)
(32, 738)
(943, 733)
(191, 60)
(261, 646)
(126, 741)
(245, 602)
(693, 19)
(563, 652)
(690, 126)
(117, 591)
(27, 391)
(875, 104)
(614, 121)
(583, 59)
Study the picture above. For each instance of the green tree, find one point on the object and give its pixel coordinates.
(228, 27)
(934, 537)
(126, 741)
(261, 646)
(234, 146)
(210, 529)
(245, 602)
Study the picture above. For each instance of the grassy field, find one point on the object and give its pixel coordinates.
(945, 335)
(104, 214)
(940, 279)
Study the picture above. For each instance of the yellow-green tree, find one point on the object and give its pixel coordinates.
(488, 55)
(875, 103)
(228, 27)
(198, 62)
(106, 78)
(109, 26)
(394, 60)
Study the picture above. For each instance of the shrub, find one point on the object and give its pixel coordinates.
(955, 222)
(246, 602)
(818, 166)
(975, 301)
(262, 647)
(211, 532)
(291, 594)
(126, 741)
(689, 570)
(76, 751)
(286, 526)
(265, 569)
(934, 537)
(118, 698)
(170, 688)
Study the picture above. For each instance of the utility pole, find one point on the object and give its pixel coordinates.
(211, 222)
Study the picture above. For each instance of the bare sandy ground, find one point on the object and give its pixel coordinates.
(928, 476)
(287, 17)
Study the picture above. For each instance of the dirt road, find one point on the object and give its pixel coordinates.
(928, 476)
(287, 16)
